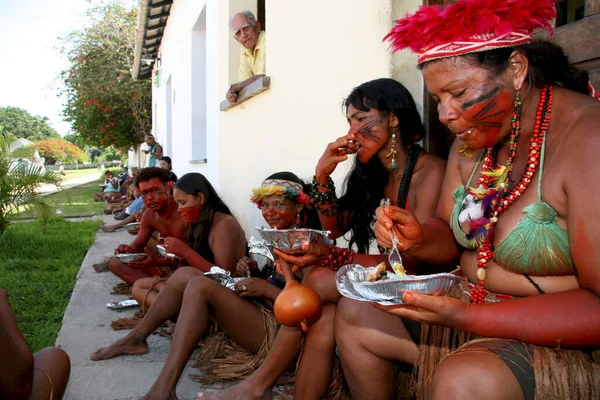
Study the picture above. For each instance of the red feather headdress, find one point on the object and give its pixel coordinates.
(470, 25)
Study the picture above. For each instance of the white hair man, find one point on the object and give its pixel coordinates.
(247, 31)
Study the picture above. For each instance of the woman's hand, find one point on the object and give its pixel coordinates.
(244, 265)
(124, 249)
(311, 254)
(405, 226)
(177, 247)
(253, 287)
(334, 154)
(433, 310)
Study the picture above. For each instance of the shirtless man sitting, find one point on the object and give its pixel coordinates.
(161, 216)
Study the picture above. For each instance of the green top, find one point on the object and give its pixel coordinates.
(536, 246)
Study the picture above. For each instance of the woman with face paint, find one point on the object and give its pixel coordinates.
(518, 211)
(208, 220)
(384, 128)
(244, 314)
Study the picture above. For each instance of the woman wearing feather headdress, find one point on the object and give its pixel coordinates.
(526, 320)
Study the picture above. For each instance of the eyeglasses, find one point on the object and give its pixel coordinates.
(154, 192)
(244, 29)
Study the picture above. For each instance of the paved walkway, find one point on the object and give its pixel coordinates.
(86, 327)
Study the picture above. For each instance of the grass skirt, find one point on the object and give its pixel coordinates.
(559, 373)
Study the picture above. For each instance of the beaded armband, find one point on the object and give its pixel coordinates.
(337, 258)
(328, 198)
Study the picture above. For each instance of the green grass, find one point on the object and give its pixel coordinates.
(76, 173)
(75, 201)
(38, 265)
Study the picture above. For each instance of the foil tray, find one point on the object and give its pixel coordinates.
(119, 305)
(351, 282)
(292, 239)
(260, 252)
(221, 276)
(164, 253)
(132, 227)
(129, 257)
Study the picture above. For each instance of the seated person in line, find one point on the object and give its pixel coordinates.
(518, 210)
(161, 217)
(117, 205)
(212, 235)
(245, 314)
(384, 128)
(112, 188)
(165, 163)
(246, 30)
(43, 375)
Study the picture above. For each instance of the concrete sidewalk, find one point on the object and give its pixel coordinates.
(86, 327)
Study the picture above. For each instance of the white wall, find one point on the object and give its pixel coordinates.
(183, 57)
(318, 51)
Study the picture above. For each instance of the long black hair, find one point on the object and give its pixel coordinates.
(548, 65)
(193, 184)
(364, 185)
(308, 215)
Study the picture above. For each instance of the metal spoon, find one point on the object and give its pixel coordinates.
(394, 257)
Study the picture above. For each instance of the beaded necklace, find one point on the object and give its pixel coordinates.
(504, 199)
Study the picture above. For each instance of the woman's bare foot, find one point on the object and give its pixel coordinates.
(110, 228)
(126, 345)
(242, 391)
(101, 266)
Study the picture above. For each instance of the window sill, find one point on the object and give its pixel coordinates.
(248, 92)
(194, 162)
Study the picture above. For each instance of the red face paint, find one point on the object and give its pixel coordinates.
(489, 116)
(189, 214)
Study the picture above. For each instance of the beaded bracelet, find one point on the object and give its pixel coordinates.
(328, 184)
(337, 258)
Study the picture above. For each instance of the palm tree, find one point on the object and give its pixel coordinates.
(19, 184)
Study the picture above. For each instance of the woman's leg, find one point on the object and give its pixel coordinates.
(284, 350)
(369, 342)
(52, 368)
(477, 373)
(167, 304)
(125, 272)
(241, 320)
(120, 224)
(316, 363)
(147, 289)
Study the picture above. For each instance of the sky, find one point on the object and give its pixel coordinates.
(29, 60)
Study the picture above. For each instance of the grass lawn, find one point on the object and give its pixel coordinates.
(75, 201)
(38, 265)
(76, 173)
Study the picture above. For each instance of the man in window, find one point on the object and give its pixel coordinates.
(246, 30)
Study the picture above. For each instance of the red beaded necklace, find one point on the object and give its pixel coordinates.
(485, 251)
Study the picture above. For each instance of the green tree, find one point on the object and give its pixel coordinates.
(104, 105)
(19, 184)
(21, 124)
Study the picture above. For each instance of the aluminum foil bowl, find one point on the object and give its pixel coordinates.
(132, 227)
(129, 257)
(392, 288)
(260, 252)
(292, 239)
(164, 253)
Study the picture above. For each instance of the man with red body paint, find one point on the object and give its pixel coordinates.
(161, 216)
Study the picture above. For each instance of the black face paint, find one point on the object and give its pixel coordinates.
(480, 98)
